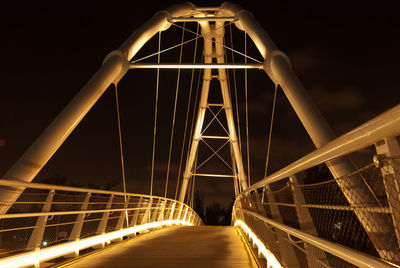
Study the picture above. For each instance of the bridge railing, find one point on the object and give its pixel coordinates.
(49, 221)
(302, 217)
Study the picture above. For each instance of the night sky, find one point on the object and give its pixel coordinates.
(347, 57)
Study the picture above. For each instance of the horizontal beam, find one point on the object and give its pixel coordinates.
(207, 8)
(350, 255)
(384, 125)
(214, 175)
(211, 18)
(196, 66)
(216, 137)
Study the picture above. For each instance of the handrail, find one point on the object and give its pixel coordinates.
(72, 212)
(38, 244)
(35, 185)
(385, 125)
(348, 254)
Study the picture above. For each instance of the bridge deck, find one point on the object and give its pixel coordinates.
(201, 246)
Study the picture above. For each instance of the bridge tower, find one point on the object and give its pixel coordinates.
(213, 33)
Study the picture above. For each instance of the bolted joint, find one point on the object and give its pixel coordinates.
(124, 61)
(269, 61)
(187, 175)
(379, 160)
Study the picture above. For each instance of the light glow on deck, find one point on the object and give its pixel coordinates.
(272, 262)
(40, 255)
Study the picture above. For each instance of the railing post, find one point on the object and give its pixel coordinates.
(315, 256)
(389, 148)
(265, 231)
(161, 215)
(180, 212)
(77, 229)
(136, 213)
(103, 222)
(288, 255)
(104, 219)
(156, 211)
(123, 215)
(146, 216)
(171, 213)
(186, 210)
(37, 233)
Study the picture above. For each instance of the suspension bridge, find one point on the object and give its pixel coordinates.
(285, 219)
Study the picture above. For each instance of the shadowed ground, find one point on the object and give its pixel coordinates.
(202, 246)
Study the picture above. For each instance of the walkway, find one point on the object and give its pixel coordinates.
(201, 246)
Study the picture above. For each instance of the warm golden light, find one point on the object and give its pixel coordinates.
(40, 255)
(272, 262)
(196, 66)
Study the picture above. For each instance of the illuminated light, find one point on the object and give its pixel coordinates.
(195, 66)
(44, 243)
(268, 255)
(40, 255)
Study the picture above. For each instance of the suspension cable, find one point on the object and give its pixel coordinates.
(247, 112)
(187, 115)
(121, 148)
(213, 41)
(270, 130)
(174, 116)
(155, 117)
(236, 93)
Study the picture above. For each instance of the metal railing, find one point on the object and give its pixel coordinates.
(49, 221)
(306, 218)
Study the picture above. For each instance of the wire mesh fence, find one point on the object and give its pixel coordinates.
(42, 218)
(331, 209)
